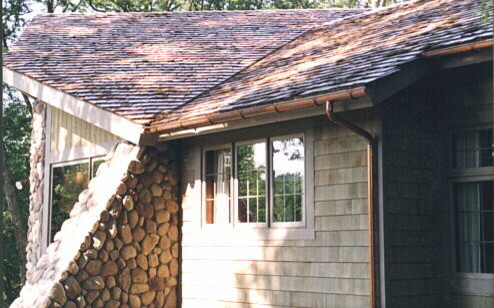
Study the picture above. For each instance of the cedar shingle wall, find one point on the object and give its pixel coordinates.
(470, 98)
(411, 152)
(417, 124)
(328, 271)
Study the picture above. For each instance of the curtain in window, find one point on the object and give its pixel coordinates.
(222, 197)
(467, 154)
(468, 196)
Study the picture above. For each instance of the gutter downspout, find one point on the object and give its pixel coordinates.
(370, 192)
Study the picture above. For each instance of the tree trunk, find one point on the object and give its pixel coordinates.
(376, 3)
(15, 212)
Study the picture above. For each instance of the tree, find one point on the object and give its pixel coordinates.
(16, 140)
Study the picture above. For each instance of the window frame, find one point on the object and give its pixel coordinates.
(458, 176)
(62, 157)
(287, 224)
(88, 160)
(261, 231)
(236, 223)
(203, 185)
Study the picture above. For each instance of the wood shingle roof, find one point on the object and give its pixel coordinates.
(156, 68)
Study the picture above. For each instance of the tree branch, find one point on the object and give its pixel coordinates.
(28, 103)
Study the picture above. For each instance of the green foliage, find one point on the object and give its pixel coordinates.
(13, 19)
(486, 11)
(17, 130)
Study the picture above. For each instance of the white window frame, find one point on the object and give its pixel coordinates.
(236, 222)
(203, 187)
(287, 224)
(458, 176)
(269, 230)
(58, 159)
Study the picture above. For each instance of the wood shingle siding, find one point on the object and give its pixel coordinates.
(330, 270)
(470, 107)
(411, 164)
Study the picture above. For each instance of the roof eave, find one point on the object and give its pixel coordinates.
(216, 121)
(104, 119)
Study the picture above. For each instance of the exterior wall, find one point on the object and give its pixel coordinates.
(470, 97)
(417, 126)
(119, 248)
(69, 139)
(69, 132)
(329, 270)
(411, 172)
(36, 180)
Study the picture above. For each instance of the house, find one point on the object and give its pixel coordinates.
(296, 158)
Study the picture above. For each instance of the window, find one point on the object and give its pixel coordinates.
(67, 182)
(474, 201)
(473, 149)
(267, 187)
(475, 231)
(252, 182)
(288, 178)
(218, 185)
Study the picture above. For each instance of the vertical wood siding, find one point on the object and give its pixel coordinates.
(69, 132)
(328, 271)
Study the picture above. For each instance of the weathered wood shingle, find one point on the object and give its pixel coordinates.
(143, 64)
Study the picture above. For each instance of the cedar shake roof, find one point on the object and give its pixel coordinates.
(345, 54)
(157, 68)
(142, 64)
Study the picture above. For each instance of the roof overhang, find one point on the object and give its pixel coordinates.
(430, 62)
(350, 99)
(267, 118)
(109, 121)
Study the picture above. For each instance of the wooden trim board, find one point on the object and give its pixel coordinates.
(117, 125)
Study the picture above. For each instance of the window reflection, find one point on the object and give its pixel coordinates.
(67, 183)
(288, 174)
(251, 168)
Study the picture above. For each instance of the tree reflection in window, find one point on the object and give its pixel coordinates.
(288, 175)
(67, 183)
(96, 164)
(251, 168)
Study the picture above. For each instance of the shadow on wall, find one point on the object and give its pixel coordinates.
(227, 269)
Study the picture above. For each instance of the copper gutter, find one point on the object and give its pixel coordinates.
(459, 49)
(296, 104)
(370, 192)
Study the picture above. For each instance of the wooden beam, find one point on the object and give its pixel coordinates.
(109, 121)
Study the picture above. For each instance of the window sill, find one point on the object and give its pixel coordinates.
(475, 173)
(487, 276)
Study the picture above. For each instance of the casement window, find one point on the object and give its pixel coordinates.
(68, 180)
(473, 199)
(256, 183)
